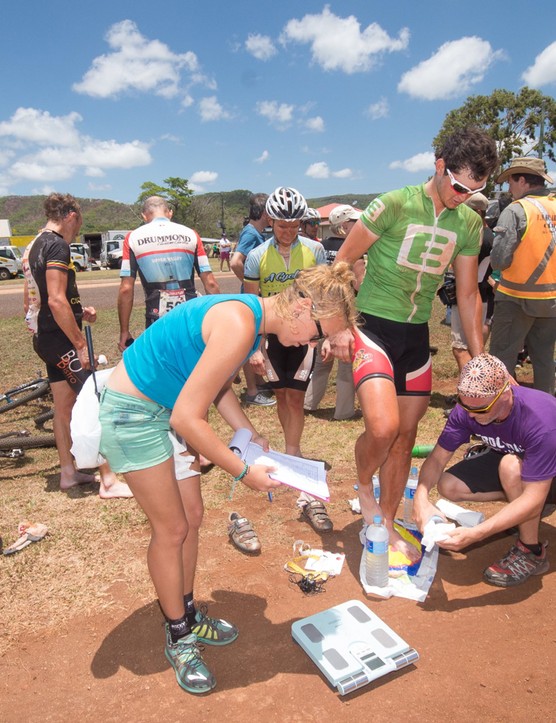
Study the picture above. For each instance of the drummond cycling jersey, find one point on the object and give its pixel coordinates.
(268, 267)
(166, 255)
(406, 264)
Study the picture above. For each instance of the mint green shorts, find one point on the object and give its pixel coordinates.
(134, 432)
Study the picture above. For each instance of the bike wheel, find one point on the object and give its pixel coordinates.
(31, 442)
(25, 395)
(40, 419)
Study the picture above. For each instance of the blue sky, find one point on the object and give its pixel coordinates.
(97, 98)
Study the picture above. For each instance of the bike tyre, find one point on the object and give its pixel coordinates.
(32, 442)
(25, 396)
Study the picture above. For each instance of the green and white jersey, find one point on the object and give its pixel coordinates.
(266, 265)
(406, 265)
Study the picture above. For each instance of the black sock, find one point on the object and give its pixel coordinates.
(190, 609)
(535, 549)
(178, 628)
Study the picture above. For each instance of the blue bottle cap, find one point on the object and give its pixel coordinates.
(377, 519)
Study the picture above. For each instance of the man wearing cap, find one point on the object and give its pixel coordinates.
(524, 250)
(411, 236)
(518, 427)
(342, 219)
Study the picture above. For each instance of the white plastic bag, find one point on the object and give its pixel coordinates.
(85, 425)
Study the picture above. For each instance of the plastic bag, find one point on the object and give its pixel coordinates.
(85, 425)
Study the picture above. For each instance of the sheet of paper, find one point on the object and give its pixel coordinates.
(306, 475)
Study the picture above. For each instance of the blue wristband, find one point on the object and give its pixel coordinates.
(242, 474)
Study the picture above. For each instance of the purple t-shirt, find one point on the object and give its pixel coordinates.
(529, 431)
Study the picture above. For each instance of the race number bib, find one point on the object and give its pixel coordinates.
(169, 299)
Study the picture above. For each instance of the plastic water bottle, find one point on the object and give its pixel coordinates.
(422, 450)
(376, 487)
(408, 496)
(376, 553)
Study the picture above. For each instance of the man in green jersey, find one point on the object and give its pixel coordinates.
(410, 236)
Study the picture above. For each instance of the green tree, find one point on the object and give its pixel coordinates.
(176, 191)
(522, 124)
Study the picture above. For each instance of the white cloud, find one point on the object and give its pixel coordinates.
(260, 46)
(378, 110)
(211, 110)
(315, 124)
(340, 44)
(418, 162)
(543, 70)
(135, 64)
(321, 170)
(36, 126)
(46, 148)
(265, 155)
(278, 114)
(451, 71)
(204, 177)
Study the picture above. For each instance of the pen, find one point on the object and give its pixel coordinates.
(269, 496)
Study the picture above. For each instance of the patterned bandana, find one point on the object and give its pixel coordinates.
(482, 376)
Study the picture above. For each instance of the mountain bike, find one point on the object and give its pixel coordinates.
(24, 393)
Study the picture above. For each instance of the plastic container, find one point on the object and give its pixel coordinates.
(422, 450)
(376, 487)
(376, 553)
(409, 494)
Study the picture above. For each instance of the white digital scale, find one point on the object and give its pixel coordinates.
(351, 645)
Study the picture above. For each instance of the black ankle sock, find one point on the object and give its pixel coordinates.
(190, 609)
(535, 549)
(178, 628)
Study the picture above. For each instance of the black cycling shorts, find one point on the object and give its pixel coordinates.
(60, 357)
(394, 350)
(480, 473)
(288, 367)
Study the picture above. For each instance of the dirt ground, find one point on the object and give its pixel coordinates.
(485, 653)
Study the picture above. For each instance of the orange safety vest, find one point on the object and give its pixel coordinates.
(532, 273)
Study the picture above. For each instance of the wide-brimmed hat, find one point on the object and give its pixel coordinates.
(533, 166)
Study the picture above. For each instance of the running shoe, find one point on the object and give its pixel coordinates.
(259, 399)
(185, 658)
(212, 631)
(517, 566)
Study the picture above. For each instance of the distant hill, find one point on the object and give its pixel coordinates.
(205, 213)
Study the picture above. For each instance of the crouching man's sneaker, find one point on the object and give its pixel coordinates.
(185, 658)
(517, 566)
(211, 631)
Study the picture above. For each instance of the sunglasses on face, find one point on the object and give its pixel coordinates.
(484, 410)
(460, 187)
(311, 223)
(320, 334)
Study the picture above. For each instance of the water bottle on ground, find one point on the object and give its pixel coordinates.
(376, 553)
(408, 496)
(376, 487)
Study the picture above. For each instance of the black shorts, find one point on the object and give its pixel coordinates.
(288, 367)
(480, 473)
(394, 350)
(60, 357)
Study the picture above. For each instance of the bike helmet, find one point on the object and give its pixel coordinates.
(312, 215)
(286, 204)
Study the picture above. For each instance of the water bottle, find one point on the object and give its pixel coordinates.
(376, 553)
(408, 496)
(376, 487)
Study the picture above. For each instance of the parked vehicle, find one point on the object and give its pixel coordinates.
(112, 249)
(80, 256)
(10, 262)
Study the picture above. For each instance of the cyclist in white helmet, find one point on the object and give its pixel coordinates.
(310, 224)
(269, 268)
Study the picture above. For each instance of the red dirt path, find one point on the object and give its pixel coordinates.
(486, 653)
